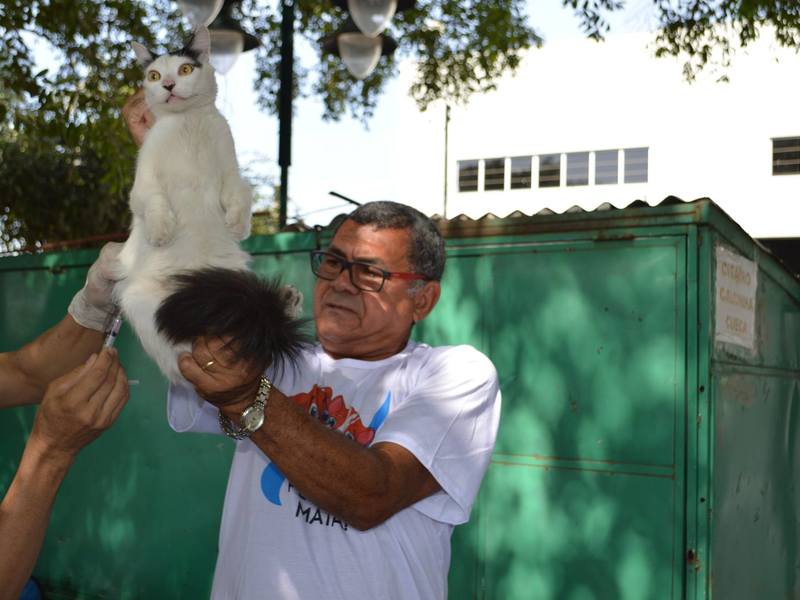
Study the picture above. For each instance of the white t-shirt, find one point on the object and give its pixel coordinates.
(442, 404)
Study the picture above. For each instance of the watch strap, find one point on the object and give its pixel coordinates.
(238, 432)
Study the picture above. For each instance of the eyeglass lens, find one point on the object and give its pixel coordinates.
(363, 276)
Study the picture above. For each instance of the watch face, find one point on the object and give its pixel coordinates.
(252, 418)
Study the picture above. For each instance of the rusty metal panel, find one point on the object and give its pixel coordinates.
(755, 513)
(757, 500)
(637, 458)
(584, 496)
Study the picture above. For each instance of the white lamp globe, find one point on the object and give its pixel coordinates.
(200, 12)
(372, 16)
(359, 53)
(226, 46)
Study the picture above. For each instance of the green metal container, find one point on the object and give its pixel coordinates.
(647, 449)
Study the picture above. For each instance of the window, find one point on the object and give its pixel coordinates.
(785, 156)
(549, 170)
(468, 176)
(636, 165)
(578, 168)
(520, 172)
(494, 177)
(606, 167)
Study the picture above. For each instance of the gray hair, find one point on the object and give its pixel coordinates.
(425, 244)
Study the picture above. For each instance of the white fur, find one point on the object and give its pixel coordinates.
(190, 205)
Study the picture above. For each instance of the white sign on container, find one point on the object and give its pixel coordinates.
(735, 294)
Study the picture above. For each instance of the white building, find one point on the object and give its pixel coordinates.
(583, 123)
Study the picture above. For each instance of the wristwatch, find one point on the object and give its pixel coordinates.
(252, 417)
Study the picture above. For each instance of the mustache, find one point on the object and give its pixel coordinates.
(341, 301)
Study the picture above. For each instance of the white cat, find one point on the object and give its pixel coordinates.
(190, 205)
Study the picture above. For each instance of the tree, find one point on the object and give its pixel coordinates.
(66, 160)
(63, 146)
(704, 32)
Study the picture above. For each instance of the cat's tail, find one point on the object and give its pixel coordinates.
(254, 313)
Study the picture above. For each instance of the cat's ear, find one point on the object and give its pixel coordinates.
(143, 56)
(201, 42)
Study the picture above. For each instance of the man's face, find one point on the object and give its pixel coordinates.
(352, 323)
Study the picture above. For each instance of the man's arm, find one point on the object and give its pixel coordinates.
(363, 486)
(75, 410)
(26, 372)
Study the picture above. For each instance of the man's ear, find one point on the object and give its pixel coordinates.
(425, 299)
(143, 55)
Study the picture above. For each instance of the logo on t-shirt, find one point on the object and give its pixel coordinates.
(333, 412)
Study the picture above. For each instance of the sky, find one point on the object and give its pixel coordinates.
(398, 156)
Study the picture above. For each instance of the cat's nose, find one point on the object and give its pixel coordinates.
(168, 85)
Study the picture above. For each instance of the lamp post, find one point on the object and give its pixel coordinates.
(285, 105)
(200, 12)
(359, 52)
(228, 39)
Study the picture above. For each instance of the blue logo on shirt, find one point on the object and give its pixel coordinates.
(272, 479)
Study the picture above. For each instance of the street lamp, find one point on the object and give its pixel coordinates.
(359, 42)
(331, 44)
(200, 12)
(372, 16)
(228, 39)
(359, 53)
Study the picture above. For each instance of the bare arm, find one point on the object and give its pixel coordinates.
(75, 410)
(27, 372)
(363, 486)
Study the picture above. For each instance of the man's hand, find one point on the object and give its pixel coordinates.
(91, 306)
(138, 117)
(217, 376)
(79, 406)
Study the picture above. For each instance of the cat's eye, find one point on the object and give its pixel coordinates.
(153, 76)
(185, 69)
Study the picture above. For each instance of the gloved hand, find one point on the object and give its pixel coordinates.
(92, 306)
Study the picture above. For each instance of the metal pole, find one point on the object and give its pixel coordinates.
(446, 131)
(285, 105)
(345, 198)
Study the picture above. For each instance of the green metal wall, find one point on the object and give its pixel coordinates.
(755, 441)
(138, 514)
(636, 458)
(584, 497)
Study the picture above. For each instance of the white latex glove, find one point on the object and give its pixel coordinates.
(92, 306)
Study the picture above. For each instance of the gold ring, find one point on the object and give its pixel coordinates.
(208, 365)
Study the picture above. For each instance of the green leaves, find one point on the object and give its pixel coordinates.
(66, 69)
(706, 33)
(462, 47)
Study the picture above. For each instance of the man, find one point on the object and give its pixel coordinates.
(371, 447)
(82, 391)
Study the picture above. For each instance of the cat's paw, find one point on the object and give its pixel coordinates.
(237, 220)
(159, 227)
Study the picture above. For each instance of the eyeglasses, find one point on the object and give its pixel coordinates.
(364, 276)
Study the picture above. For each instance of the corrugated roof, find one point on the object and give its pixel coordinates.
(575, 209)
(637, 212)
